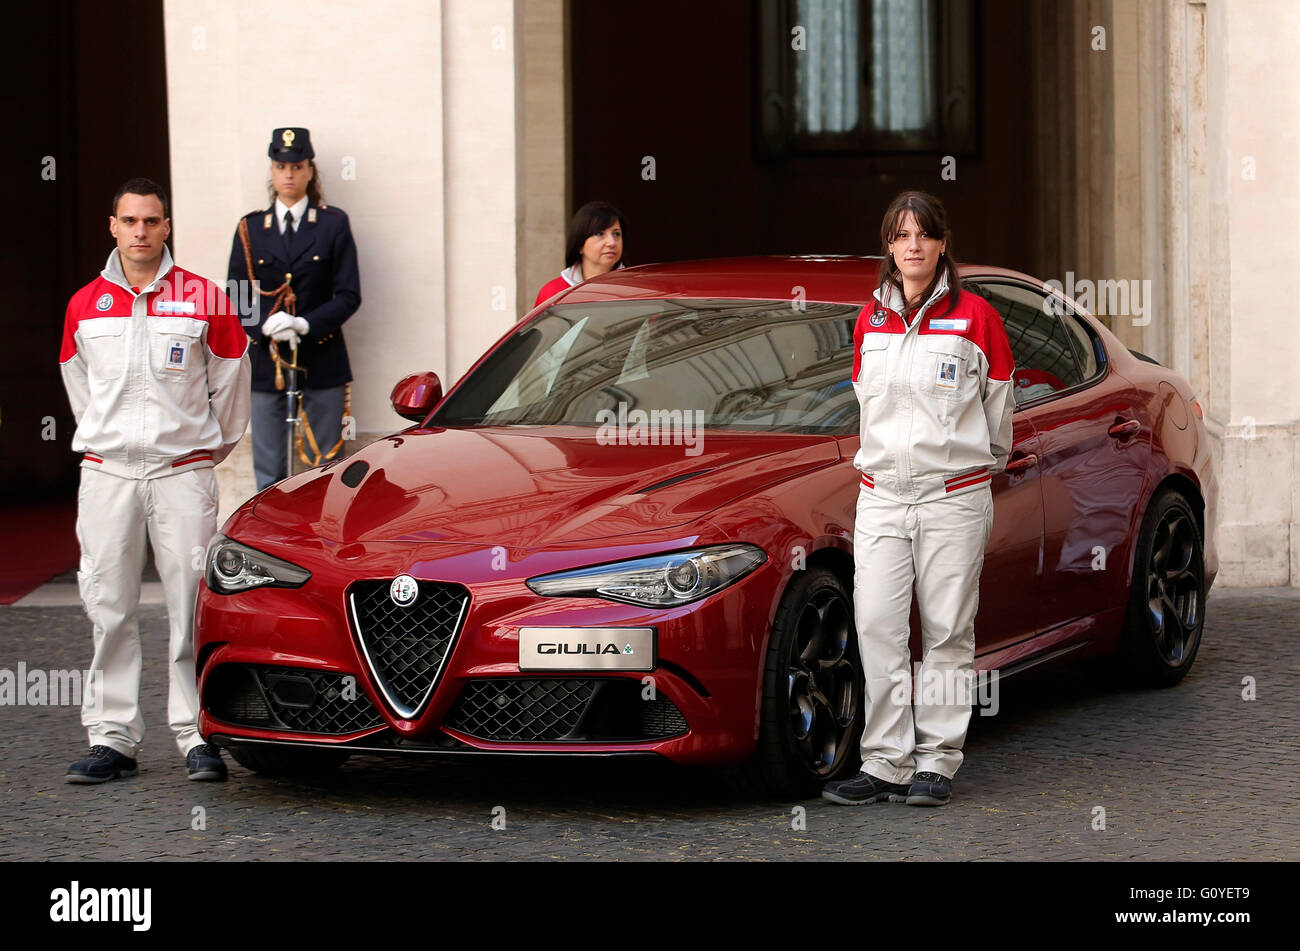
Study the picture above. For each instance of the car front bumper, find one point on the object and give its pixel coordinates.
(290, 666)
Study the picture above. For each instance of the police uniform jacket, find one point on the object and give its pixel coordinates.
(324, 277)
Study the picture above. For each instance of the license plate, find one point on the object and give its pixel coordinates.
(587, 648)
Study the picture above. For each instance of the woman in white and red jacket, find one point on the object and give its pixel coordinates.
(932, 373)
(594, 246)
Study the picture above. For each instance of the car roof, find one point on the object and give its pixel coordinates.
(849, 279)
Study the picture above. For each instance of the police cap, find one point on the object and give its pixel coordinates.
(290, 145)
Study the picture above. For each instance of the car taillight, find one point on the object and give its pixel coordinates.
(1196, 408)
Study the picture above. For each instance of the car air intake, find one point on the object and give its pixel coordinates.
(521, 709)
(289, 698)
(407, 646)
(558, 709)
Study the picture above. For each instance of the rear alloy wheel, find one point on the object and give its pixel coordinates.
(288, 760)
(812, 687)
(1166, 610)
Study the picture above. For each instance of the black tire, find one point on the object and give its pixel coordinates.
(1166, 610)
(811, 716)
(287, 760)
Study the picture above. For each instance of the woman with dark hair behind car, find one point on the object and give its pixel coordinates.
(593, 247)
(932, 372)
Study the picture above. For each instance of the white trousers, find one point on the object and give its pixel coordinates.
(940, 546)
(179, 513)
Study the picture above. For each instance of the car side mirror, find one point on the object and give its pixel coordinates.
(415, 395)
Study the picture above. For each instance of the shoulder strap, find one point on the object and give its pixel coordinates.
(248, 250)
(283, 295)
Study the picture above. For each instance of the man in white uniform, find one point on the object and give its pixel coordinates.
(156, 368)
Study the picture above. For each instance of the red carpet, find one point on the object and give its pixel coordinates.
(38, 542)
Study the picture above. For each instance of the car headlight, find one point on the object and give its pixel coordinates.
(232, 567)
(659, 581)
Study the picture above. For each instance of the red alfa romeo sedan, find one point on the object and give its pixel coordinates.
(628, 531)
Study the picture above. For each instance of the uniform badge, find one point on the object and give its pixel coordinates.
(287, 137)
(878, 318)
(177, 353)
(266, 222)
(311, 216)
(946, 378)
(105, 301)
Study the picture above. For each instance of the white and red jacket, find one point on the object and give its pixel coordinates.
(935, 396)
(570, 277)
(158, 380)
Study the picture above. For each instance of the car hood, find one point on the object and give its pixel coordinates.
(527, 487)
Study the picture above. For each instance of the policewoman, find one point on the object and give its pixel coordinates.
(932, 373)
(300, 251)
(594, 246)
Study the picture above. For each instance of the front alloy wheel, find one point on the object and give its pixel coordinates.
(823, 699)
(811, 717)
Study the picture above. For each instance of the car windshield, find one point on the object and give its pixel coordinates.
(750, 365)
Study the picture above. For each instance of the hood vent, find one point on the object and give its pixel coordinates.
(673, 481)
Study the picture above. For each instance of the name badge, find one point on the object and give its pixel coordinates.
(178, 352)
(174, 306)
(948, 323)
(946, 377)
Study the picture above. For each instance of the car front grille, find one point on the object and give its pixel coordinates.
(538, 710)
(289, 698)
(406, 647)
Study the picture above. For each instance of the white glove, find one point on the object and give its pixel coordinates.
(299, 325)
(286, 334)
(277, 322)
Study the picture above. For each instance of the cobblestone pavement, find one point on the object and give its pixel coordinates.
(1194, 772)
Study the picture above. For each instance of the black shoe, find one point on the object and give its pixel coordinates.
(100, 765)
(929, 789)
(863, 788)
(205, 763)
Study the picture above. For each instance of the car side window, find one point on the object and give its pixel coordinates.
(536, 380)
(1040, 343)
(1087, 348)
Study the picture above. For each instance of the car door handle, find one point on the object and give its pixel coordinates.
(1021, 463)
(1125, 428)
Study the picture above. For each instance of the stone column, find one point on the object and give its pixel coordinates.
(1254, 275)
(439, 126)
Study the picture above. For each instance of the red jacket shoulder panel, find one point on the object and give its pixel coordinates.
(99, 298)
(991, 337)
(550, 289)
(226, 337)
(982, 327)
